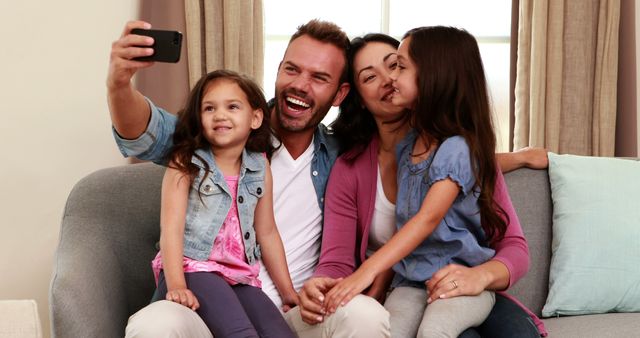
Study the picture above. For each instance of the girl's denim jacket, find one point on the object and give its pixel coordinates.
(210, 202)
(157, 140)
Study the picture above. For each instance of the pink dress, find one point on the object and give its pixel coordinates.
(227, 257)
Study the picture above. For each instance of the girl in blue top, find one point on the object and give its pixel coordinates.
(445, 211)
(217, 212)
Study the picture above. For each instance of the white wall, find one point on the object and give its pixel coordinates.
(54, 126)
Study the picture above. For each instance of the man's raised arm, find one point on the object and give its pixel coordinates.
(129, 109)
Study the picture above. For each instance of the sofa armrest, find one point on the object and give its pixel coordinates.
(102, 270)
(87, 294)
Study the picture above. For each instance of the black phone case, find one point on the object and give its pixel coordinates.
(166, 45)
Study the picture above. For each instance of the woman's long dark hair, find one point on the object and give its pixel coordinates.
(453, 100)
(354, 127)
(189, 136)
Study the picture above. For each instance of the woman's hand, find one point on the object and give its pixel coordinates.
(456, 280)
(183, 296)
(380, 286)
(312, 296)
(348, 288)
(530, 157)
(534, 157)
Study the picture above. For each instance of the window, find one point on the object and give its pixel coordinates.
(489, 21)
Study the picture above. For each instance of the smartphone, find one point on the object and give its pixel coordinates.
(166, 45)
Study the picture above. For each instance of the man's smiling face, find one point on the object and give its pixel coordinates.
(307, 82)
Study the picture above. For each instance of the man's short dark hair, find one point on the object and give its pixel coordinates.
(327, 32)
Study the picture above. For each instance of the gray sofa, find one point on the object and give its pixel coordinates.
(110, 227)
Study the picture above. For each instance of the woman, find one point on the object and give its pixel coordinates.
(359, 212)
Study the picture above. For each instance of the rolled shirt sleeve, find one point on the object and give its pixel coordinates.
(156, 141)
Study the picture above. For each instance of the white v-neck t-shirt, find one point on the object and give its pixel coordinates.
(298, 217)
(383, 221)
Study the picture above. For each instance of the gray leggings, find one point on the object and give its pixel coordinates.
(233, 310)
(411, 317)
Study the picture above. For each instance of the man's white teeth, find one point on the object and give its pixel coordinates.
(298, 102)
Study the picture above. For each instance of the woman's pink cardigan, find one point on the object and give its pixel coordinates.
(349, 205)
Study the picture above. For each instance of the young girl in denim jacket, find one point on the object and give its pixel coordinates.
(217, 212)
(445, 211)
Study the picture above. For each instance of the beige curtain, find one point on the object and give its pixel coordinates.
(171, 95)
(566, 80)
(225, 34)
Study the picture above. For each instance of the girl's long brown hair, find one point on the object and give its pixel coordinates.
(453, 100)
(189, 137)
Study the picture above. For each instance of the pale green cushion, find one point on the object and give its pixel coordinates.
(595, 263)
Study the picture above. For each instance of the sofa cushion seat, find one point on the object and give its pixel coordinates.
(613, 325)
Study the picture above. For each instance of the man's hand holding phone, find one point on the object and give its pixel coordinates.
(129, 109)
(138, 47)
(122, 63)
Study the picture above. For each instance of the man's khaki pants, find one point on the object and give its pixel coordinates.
(362, 317)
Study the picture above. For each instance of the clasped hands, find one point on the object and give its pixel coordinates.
(321, 296)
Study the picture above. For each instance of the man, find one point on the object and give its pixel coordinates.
(311, 78)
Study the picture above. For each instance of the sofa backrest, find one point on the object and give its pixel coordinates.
(531, 195)
(134, 208)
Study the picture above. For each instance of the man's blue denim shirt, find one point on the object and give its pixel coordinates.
(156, 142)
